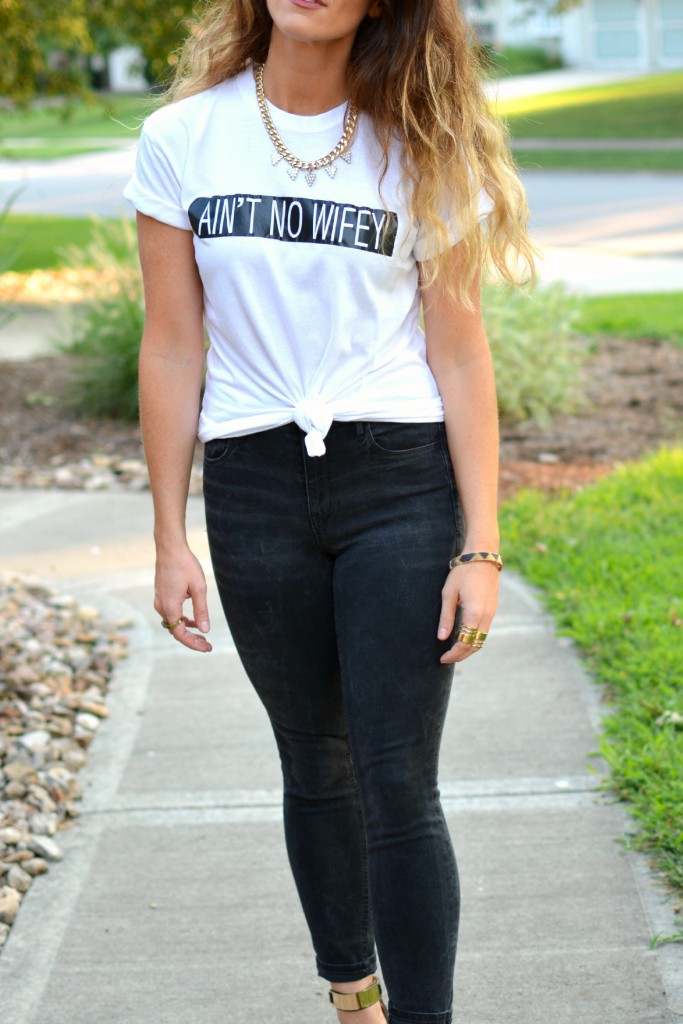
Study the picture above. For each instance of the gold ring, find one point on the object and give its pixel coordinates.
(471, 636)
(170, 626)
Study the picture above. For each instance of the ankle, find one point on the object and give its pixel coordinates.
(358, 1002)
(353, 986)
(370, 1015)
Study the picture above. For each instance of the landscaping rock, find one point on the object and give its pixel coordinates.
(15, 790)
(10, 901)
(10, 836)
(44, 824)
(19, 879)
(36, 866)
(56, 661)
(44, 847)
(35, 742)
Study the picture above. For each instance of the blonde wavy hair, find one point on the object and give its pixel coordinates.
(414, 71)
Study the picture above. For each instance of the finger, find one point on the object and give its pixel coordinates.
(449, 605)
(461, 650)
(180, 631)
(194, 641)
(458, 652)
(200, 610)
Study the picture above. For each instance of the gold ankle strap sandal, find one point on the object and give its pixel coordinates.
(359, 1000)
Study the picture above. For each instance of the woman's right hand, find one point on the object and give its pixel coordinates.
(179, 577)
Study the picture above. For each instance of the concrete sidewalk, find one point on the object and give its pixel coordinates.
(33, 331)
(174, 903)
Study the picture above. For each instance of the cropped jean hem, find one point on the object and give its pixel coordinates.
(346, 972)
(410, 1017)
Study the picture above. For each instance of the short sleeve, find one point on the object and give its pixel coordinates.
(155, 187)
(421, 249)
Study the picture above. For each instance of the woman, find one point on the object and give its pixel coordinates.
(325, 167)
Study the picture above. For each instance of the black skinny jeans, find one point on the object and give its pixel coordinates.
(330, 571)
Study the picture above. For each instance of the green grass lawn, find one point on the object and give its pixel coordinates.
(54, 151)
(607, 563)
(29, 242)
(113, 116)
(605, 160)
(656, 315)
(66, 129)
(641, 108)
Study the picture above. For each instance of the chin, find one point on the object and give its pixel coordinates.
(292, 28)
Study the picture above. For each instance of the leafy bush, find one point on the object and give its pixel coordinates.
(107, 327)
(537, 358)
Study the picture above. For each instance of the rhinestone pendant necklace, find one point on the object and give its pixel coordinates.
(342, 149)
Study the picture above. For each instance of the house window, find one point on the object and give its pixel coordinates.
(617, 29)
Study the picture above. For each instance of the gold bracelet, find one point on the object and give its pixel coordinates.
(477, 556)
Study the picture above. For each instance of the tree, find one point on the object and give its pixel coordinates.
(158, 28)
(48, 43)
(44, 45)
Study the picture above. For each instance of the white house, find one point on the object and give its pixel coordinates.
(631, 34)
(126, 66)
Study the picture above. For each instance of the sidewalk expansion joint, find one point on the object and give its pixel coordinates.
(266, 805)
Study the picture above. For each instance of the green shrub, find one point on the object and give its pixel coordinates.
(537, 358)
(107, 327)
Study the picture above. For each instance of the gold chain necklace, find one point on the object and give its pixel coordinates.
(342, 149)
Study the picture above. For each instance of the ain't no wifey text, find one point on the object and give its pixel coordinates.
(294, 219)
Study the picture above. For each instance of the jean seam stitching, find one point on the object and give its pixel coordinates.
(365, 866)
(366, 874)
(228, 453)
(458, 538)
(374, 446)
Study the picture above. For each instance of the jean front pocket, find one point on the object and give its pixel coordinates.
(393, 438)
(219, 449)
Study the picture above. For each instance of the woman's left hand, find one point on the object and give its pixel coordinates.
(474, 588)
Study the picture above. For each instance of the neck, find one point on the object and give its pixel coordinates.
(306, 78)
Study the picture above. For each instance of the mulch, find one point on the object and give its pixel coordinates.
(634, 404)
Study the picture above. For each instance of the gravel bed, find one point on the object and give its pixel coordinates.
(56, 663)
(97, 472)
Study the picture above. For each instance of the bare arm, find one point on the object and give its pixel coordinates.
(459, 357)
(171, 369)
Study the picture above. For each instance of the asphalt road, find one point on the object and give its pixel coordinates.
(631, 214)
(73, 187)
(600, 232)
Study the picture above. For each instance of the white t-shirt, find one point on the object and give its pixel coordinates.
(308, 318)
